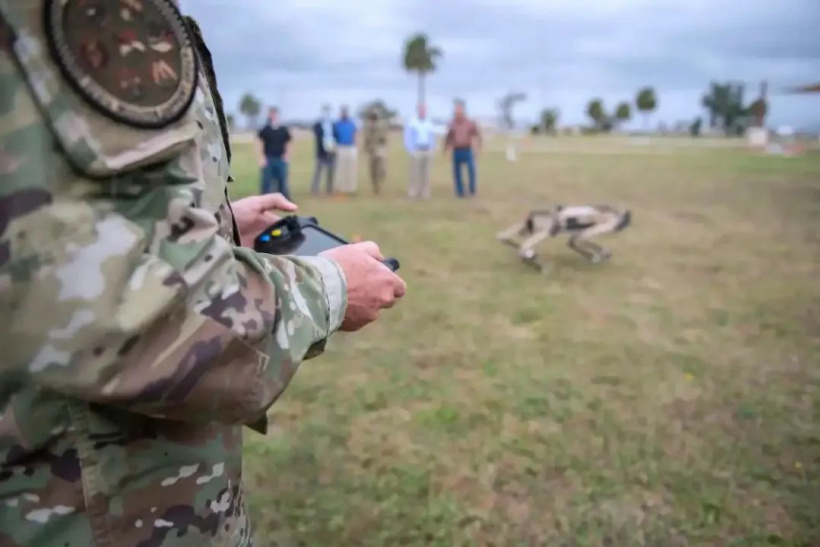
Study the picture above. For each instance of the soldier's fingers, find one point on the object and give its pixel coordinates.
(370, 248)
(269, 218)
(276, 201)
(399, 287)
(388, 302)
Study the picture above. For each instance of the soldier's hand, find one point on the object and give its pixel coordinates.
(371, 286)
(254, 214)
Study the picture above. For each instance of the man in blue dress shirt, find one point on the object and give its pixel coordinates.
(346, 135)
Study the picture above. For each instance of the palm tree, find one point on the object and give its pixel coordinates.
(506, 105)
(725, 105)
(623, 112)
(549, 119)
(250, 106)
(646, 102)
(716, 102)
(595, 110)
(420, 57)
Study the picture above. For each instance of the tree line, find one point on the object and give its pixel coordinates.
(646, 102)
(727, 110)
(724, 102)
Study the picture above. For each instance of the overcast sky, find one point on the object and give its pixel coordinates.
(299, 54)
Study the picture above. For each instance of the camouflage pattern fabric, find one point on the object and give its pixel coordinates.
(375, 136)
(137, 339)
(375, 146)
(378, 171)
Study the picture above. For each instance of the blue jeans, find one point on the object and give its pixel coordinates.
(276, 169)
(463, 156)
(323, 163)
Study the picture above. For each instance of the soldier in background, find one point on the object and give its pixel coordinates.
(139, 334)
(375, 147)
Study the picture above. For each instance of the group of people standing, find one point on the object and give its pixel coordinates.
(337, 145)
(336, 153)
(462, 139)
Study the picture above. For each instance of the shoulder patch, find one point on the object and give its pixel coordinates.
(131, 60)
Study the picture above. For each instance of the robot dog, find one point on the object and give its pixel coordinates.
(580, 222)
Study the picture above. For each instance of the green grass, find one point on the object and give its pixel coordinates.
(669, 397)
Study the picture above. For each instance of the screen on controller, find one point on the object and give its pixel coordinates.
(309, 242)
(317, 241)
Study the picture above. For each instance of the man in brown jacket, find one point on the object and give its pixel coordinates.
(462, 136)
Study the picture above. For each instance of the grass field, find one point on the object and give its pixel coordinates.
(669, 397)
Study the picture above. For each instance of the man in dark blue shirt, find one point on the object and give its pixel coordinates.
(272, 149)
(325, 151)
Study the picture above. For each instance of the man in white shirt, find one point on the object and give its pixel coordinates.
(419, 140)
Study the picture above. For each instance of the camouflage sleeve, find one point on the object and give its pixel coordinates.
(212, 336)
(92, 315)
(120, 291)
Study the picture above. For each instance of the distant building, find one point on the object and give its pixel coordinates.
(811, 88)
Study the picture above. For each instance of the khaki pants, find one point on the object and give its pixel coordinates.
(346, 174)
(420, 174)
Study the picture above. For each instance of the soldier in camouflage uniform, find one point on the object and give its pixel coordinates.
(375, 147)
(138, 337)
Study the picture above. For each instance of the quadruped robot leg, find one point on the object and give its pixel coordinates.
(531, 239)
(587, 249)
(527, 250)
(510, 235)
(581, 243)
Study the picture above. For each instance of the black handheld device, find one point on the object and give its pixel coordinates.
(293, 235)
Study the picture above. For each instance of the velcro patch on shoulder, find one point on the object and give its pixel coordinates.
(114, 78)
(132, 60)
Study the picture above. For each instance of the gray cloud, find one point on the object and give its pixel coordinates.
(302, 53)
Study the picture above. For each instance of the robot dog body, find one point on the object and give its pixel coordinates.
(580, 222)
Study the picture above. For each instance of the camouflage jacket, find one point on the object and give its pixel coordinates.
(375, 136)
(137, 338)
